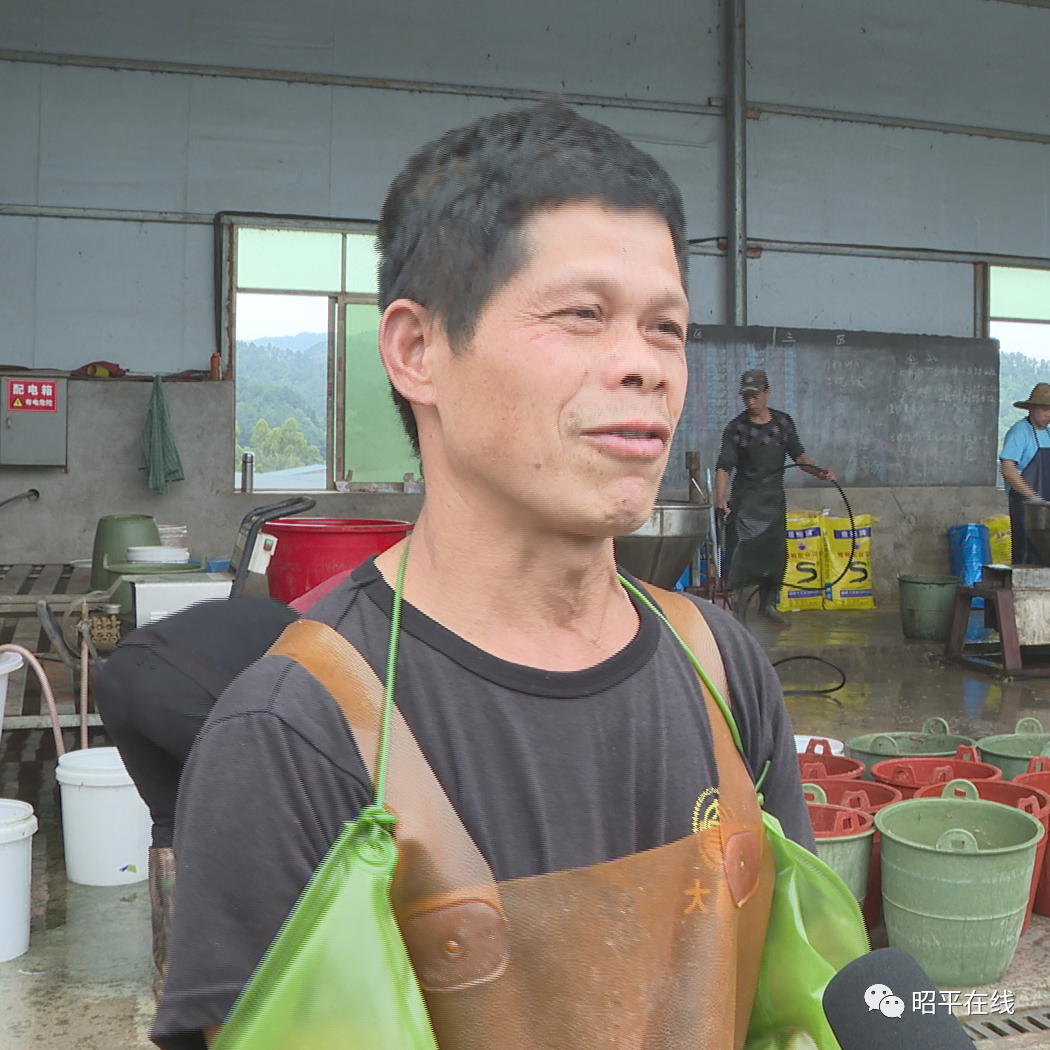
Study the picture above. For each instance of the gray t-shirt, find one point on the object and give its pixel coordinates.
(547, 770)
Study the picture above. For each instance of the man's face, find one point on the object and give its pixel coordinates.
(756, 403)
(1039, 415)
(559, 414)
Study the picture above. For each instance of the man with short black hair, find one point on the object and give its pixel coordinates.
(534, 325)
(754, 446)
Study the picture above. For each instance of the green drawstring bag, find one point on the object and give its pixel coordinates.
(815, 925)
(815, 928)
(338, 976)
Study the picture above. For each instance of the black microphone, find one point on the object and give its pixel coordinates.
(885, 1001)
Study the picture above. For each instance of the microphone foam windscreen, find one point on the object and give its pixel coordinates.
(885, 1001)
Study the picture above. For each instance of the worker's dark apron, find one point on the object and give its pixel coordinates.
(756, 529)
(655, 951)
(1037, 475)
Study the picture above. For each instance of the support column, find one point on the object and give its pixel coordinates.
(736, 152)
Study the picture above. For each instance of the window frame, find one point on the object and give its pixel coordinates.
(226, 226)
(985, 298)
(985, 316)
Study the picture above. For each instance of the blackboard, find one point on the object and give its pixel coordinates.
(879, 409)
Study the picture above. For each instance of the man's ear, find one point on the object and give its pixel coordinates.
(404, 335)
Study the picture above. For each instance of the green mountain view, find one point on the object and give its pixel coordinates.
(281, 402)
(1018, 373)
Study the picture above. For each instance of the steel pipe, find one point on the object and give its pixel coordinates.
(43, 211)
(877, 251)
(714, 106)
(736, 153)
(131, 65)
(32, 495)
(779, 109)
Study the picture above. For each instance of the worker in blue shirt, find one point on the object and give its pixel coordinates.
(1025, 463)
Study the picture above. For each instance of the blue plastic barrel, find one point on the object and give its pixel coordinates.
(969, 551)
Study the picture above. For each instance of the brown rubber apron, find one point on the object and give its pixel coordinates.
(659, 950)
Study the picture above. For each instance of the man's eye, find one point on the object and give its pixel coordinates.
(586, 312)
(671, 328)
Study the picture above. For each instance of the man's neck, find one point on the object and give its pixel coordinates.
(763, 416)
(545, 601)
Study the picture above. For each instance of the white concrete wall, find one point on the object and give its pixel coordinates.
(182, 141)
(861, 294)
(663, 49)
(139, 141)
(73, 291)
(977, 62)
(106, 418)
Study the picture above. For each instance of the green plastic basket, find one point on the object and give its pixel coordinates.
(1011, 751)
(956, 875)
(935, 738)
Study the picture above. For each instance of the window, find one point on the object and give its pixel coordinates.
(313, 403)
(1019, 317)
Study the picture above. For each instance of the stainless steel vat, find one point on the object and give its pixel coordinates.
(662, 548)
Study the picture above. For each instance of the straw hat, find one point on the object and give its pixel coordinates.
(1039, 397)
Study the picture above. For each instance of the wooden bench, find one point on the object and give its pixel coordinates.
(21, 587)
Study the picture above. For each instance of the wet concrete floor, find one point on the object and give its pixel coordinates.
(896, 685)
(86, 982)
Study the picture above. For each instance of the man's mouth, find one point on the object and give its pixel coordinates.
(638, 440)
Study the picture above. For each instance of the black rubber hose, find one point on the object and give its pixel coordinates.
(852, 532)
(824, 692)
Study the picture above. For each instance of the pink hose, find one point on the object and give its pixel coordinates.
(84, 664)
(45, 687)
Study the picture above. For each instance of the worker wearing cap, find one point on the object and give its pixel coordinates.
(1025, 462)
(754, 445)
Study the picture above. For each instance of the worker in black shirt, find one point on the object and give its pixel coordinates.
(755, 445)
(154, 694)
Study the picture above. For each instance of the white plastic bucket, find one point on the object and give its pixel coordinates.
(9, 663)
(802, 742)
(17, 827)
(105, 824)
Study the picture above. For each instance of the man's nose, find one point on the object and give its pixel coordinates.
(634, 361)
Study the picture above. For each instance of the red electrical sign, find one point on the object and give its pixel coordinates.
(31, 396)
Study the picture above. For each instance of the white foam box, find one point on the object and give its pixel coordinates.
(160, 595)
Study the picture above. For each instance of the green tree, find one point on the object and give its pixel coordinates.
(1018, 373)
(275, 404)
(275, 383)
(278, 448)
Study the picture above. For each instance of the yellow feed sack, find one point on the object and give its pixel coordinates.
(999, 539)
(853, 591)
(803, 583)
